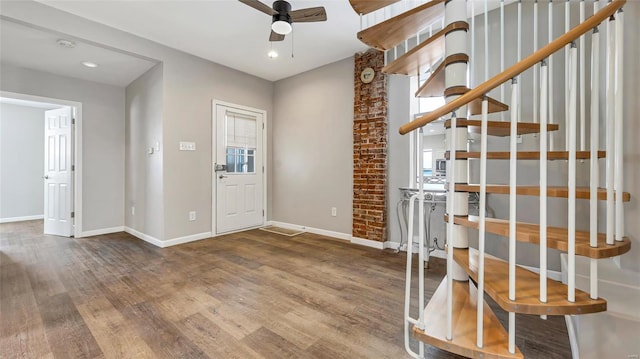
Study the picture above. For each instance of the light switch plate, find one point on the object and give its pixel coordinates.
(187, 146)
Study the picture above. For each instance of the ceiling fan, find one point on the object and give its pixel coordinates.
(282, 16)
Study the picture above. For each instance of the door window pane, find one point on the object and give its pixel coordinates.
(240, 143)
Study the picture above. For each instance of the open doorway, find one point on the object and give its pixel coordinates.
(40, 143)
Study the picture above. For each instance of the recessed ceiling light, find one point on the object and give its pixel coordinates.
(272, 54)
(89, 64)
(66, 43)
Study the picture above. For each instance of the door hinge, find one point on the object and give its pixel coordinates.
(263, 126)
(73, 167)
(262, 169)
(73, 214)
(73, 121)
(263, 213)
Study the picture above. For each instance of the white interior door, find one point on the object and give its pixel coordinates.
(58, 172)
(238, 169)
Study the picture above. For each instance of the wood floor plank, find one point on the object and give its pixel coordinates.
(161, 335)
(22, 333)
(67, 333)
(271, 345)
(251, 294)
(115, 335)
(213, 340)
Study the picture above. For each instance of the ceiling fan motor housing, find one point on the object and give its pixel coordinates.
(283, 8)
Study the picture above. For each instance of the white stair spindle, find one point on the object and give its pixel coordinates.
(567, 76)
(535, 67)
(551, 98)
(519, 39)
(421, 250)
(544, 73)
(594, 163)
(472, 55)
(486, 40)
(502, 53)
(450, 226)
(619, 130)
(407, 294)
(513, 148)
(481, 233)
(581, 48)
(571, 253)
(610, 126)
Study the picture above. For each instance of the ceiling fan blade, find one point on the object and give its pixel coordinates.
(259, 6)
(275, 36)
(311, 14)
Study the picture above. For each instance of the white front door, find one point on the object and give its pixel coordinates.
(58, 174)
(238, 169)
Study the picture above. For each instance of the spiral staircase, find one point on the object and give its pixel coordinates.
(450, 319)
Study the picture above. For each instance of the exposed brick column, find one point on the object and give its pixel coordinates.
(370, 149)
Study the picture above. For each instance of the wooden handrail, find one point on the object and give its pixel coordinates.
(516, 69)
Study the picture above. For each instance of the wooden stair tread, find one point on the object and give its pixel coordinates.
(426, 53)
(391, 32)
(434, 86)
(501, 128)
(475, 106)
(552, 191)
(496, 284)
(530, 155)
(364, 7)
(557, 237)
(496, 339)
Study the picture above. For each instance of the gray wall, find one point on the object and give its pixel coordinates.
(398, 151)
(189, 85)
(21, 161)
(313, 148)
(102, 137)
(143, 171)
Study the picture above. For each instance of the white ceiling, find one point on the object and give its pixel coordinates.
(29, 47)
(230, 33)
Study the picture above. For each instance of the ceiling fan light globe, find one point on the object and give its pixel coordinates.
(281, 27)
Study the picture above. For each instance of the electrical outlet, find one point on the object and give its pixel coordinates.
(334, 211)
(192, 215)
(133, 210)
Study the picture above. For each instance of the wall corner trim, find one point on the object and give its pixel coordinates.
(368, 243)
(168, 243)
(97, 232)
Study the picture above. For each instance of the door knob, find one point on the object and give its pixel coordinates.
(45, 176)
(222, 176)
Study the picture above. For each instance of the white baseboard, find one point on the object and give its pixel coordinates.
(322, 232)
(186, 239)
(20, 219)
(168, 243)
(97, 232)
(145, 237)
(367, 243)
(436, 253)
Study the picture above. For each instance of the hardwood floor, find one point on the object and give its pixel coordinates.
(248, 295)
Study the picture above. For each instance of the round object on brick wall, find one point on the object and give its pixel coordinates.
(367, 75)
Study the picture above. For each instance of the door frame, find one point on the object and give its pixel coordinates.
(76, 179)
(214, 147)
